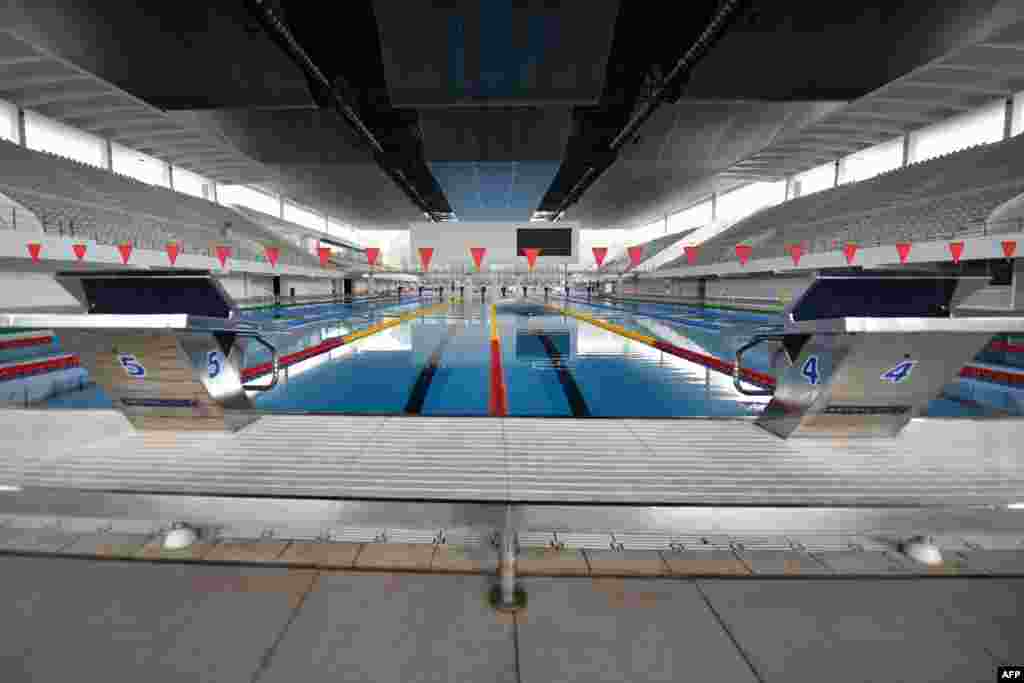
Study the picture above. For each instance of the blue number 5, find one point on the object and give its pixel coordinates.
(213, 364)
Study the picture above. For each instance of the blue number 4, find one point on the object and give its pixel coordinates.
(213, 364)
(810, 370)
(899, 373)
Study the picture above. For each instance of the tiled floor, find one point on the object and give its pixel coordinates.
(80, 619)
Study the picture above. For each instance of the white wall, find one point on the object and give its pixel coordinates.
(758, 288)
(452, 241)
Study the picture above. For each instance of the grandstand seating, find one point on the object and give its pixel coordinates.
(945, 197)
(75, 199)
(648, 249)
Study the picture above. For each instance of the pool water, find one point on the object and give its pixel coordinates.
(553, 365)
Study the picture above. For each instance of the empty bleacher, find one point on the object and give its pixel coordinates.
(946, 197)
(77, 200)
(648, 249)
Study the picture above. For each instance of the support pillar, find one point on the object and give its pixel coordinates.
(714, 206)
(1017, 293)
(169, 174)
(906, 149)
(835, 177)
(1008, 119)
(22, 138)
(108, 155)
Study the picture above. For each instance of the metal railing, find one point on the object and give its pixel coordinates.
(837, 242)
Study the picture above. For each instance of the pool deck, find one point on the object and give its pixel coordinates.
(635, 462)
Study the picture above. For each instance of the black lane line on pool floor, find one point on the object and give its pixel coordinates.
(577, 404)
(418, 395)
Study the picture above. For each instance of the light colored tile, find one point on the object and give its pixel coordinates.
(551, 562)
(701, 562)
(108, 545)
(329, 554)
(626, 563)
(246, 551)
(396, 556)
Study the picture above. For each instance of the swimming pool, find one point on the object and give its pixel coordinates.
(552, 364)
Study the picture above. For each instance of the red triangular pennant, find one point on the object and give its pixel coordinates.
(744, 251)
(33, 250)
(272, 254)
(691, 254)
(426, 253)
(325, 253)
(599, 254)
(79, 250)
(635, 254)
(903, 249)
(1009, 248)
(956, 249)
(531, 256)
(222, 254)
(478, 255)
(850, 250)
(126, 251)
(172, 252)
(371, 255)
(795, 251)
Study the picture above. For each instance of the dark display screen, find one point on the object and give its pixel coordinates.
(137, 296)
(550, 241)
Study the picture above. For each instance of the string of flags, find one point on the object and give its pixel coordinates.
(744, 253)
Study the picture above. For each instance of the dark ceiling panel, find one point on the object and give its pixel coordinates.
(495, 134)
(680, 147)
(173, 55)
(808, 49)
(500, 52)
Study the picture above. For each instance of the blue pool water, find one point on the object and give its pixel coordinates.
(554, 365)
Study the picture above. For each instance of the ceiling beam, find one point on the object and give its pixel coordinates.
(17, 84)
(962, 87)
(44, 99)
(109, 113)
(925, 101)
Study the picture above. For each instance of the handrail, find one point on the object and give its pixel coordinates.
(274, 360)
(737, 370)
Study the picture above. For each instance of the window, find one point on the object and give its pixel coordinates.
(134, 164)
(47, 135)
(241, 195)
(188, 182)
(688, 219)
(872, 161)
(303, 217)
(972, 128)
(8, 121)
(815, 180)
(746, 200)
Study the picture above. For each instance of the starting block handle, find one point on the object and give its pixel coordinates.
(274, 360)
(737, 371)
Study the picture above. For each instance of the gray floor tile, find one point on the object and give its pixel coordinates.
(994, 561)
(35, 540)
(623, 630)
(861, 562)
(851, 630)
(390, 628)
(989, 611)
(782, 562)
(103, 620)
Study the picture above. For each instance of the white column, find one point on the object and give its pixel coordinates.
(906, 149)
(280, 210)
(169, 172)
(108, 154)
